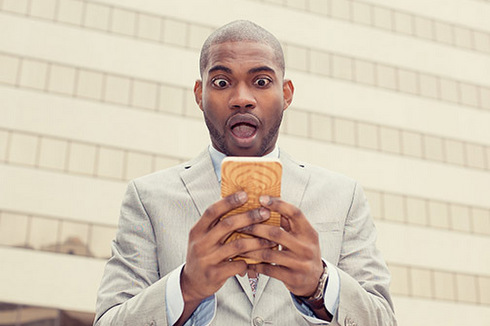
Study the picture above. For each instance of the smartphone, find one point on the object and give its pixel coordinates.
(256, 176)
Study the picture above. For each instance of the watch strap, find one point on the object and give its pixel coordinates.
(316, 301)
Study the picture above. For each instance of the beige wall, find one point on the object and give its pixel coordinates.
(393, 93)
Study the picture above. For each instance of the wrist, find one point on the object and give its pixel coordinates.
(189, 293)
(316, 300)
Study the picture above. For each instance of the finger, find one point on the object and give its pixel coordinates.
(222, 230)
(272, 233)
(198, 283)
(214, 212)
(293, 281)
(276, 271)
(226, 269)
(272, 256)
(285, 224)
(297, 220)
(239, 247)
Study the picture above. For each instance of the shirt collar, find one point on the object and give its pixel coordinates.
(217, 157)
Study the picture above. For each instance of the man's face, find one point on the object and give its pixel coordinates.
(243, 95)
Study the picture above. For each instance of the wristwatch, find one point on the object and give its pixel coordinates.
(316, 300)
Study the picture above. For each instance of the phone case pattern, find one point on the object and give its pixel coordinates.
(256, 179)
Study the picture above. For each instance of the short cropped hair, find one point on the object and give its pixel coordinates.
(237, 31)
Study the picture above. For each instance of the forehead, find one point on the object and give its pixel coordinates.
(242, 55)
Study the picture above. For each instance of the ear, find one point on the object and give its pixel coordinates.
(288, 91)
(198, 93)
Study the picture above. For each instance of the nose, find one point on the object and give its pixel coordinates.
(242, 97)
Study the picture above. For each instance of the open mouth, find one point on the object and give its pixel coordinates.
(243, 125)
(243, 130)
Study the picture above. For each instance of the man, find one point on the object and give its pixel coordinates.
(170, 264)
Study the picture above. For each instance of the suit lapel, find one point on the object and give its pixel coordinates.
(294, 180)
(293, 185)
(245, 284)
(201, 182)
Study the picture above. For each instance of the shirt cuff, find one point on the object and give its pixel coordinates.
(204, 313)
(173, 296)
(330, 297)
(332, 291)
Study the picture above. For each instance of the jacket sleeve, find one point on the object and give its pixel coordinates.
(132, 291)
(364, 277)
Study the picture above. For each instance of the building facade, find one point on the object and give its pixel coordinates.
(395, 94)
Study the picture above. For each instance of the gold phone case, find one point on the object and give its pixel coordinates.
(256, 176)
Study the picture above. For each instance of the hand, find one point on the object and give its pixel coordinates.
(208, 263)
(299, 264)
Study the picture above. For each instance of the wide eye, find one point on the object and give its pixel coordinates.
(220, 82)
(262, 82)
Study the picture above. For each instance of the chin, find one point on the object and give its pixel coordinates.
(245, 152)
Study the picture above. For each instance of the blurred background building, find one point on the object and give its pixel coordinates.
(393, 93)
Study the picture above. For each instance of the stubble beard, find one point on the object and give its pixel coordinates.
(218, 138)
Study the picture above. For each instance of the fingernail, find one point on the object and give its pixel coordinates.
(242, 196)
(265, 200)
(265, 213)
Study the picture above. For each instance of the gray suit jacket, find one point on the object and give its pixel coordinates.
(158, 211)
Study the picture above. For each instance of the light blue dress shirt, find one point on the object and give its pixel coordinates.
(205, 312)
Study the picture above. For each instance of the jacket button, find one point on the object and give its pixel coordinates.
(258, 321)
(349, 322)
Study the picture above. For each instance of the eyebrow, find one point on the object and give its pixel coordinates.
(251, 71)
(220, 68)
(261, 69)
